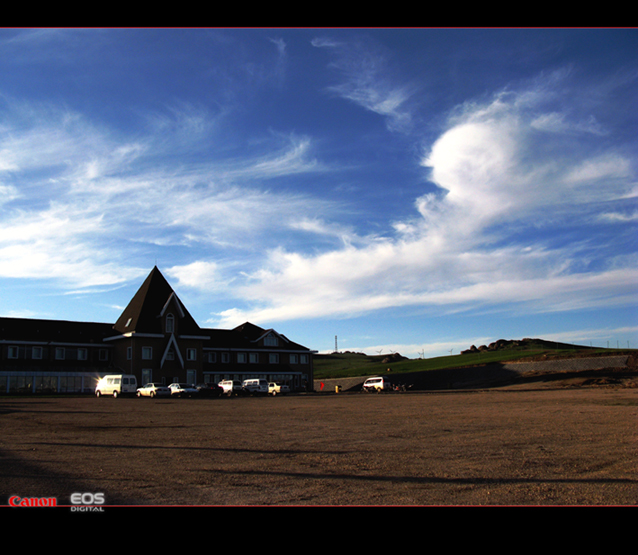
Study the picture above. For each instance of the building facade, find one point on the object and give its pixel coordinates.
(155, 338)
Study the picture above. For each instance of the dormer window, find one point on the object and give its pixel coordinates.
(170, 324)
(271, 341)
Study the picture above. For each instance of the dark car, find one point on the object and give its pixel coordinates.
(209, 390)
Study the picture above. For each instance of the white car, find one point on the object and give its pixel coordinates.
(182, 390)
(153, 390)
(277, 389)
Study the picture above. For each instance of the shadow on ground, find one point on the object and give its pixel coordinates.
(26, 480)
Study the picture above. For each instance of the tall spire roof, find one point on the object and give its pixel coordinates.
(147, 306)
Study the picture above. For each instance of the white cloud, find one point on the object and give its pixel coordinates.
(322, 42)
(78, 200)
(281, 46)
(608, 166)
(490, 166)
(596, 335)
(366, 82)
(7, 193)
(476, 164)
(201, 274)
(619, 217)
(293, 159)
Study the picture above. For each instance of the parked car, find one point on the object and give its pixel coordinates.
(278, 389)
(153, 390)
(377, 384)
(255, 386)
(231, 387)
(209, 389)
(116, 385)
(182, 390)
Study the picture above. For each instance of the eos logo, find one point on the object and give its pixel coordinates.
(87, 499)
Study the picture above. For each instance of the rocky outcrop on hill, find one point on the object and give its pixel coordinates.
(503, 344)
(394, 357)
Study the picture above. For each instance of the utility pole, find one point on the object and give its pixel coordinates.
(336, 347)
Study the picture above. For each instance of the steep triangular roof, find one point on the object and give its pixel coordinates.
(142, 315)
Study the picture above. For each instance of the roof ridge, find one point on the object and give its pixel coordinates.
(149, 303)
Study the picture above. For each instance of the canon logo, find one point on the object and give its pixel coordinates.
(17, 501)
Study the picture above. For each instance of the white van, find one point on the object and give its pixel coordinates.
(377, 384)
(256, 386)
(231, 387)
(116, 385)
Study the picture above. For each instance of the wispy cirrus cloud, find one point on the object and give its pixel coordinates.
(366, 82)
(491, 165)
(77, 197)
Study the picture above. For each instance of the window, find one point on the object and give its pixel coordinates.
(170, 355)
(271, 341)
(241, 358)
(253, 358)
(13, 352)
(294, 359)
(170, 323)
(191, 354)
(82, 354)
(36, 353)
(273, 358)
(212, 357)
(226, 357)
(129, 353)
(147, 353)
(303, 359)
(59, 353)
(104, 354)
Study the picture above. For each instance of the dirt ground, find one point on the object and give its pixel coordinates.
(528, 444)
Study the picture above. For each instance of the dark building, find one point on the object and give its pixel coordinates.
(155, 338)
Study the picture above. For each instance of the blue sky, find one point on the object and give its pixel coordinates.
(407, 190)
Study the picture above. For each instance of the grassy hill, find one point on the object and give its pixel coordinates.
(344, 365)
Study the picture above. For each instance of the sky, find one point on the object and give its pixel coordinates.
(375, 190)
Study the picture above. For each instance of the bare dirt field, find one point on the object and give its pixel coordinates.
(553, 444)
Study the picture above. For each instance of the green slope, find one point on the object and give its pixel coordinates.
(343, 365)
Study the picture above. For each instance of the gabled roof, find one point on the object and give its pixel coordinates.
(249, 331)
(142, 315)
(250, 334)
